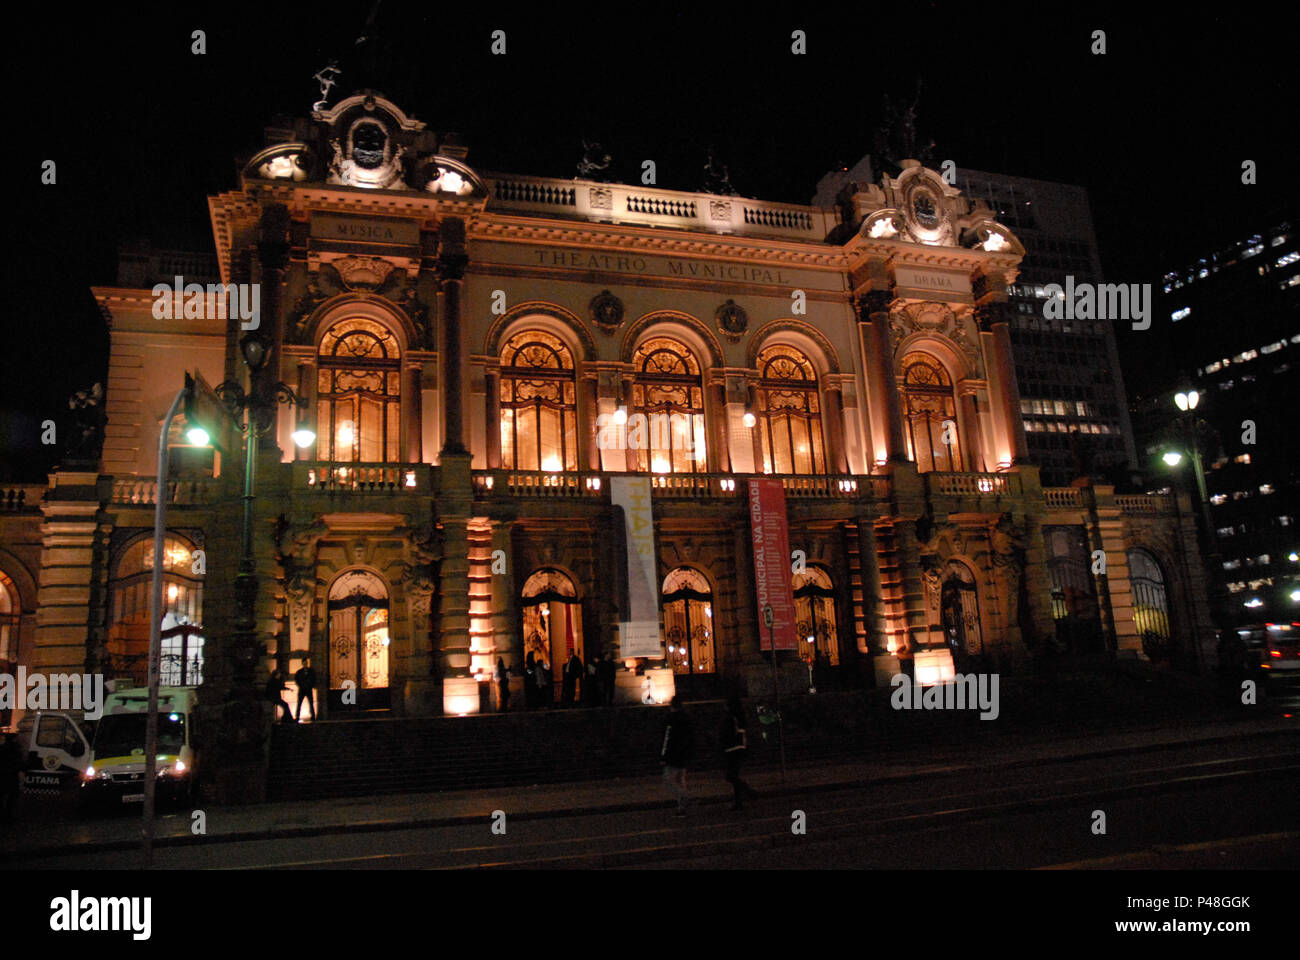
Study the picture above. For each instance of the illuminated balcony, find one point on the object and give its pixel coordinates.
(320, 477)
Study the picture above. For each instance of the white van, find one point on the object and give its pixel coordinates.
(115, 773)
(54, 749)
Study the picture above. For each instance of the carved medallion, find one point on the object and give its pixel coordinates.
(732, 321)
(606, 311)
(720, 210)
(601, 198)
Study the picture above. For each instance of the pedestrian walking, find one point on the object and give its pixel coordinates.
(572, 673)
(502, 677)
(275, 693)
(305, 678)
(675, 754)
(735, 745)
(11, 769)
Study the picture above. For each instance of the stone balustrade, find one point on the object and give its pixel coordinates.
(143, 491)
(639, 204)
(363, 477)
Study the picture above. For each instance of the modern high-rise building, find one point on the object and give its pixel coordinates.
(1227, 325)
(1071, 385)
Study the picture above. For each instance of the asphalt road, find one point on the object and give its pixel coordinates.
(1223, 805)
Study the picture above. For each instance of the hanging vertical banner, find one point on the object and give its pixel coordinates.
(771, 538)
(639, 635)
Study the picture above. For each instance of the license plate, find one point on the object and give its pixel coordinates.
(133, 798)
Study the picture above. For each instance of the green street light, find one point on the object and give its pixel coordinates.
(198, 436)
(1172, 458)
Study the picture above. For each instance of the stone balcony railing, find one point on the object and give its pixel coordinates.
(1063, 498)
(972, 484)
(676, 486)
(1139, 503)
(322, 477)
(652, 206)
(17, 497)
(143, 491)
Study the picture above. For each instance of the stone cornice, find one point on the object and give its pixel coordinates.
(501, 228)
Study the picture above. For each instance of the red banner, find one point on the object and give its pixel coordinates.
(771, 537)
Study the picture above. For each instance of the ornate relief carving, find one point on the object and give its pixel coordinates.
(720, 210)
(934, 318)
(732, 321)
(601, 198)
(366, 273)
(606, 311)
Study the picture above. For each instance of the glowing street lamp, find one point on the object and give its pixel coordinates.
(198, 436)
(1172, 458)
(1187, 401)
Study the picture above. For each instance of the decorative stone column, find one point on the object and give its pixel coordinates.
(882, 386)
(719, 456)
(492, 414)
(588, 414)
(833, 418)
(452, 261)
(995, 336)
(969, 428)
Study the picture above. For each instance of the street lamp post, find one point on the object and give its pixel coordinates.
(258, 406)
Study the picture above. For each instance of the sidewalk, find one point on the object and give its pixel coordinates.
(405, 811)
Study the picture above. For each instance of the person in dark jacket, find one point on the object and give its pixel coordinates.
(275, 693)
(305, 678)
(502, 678)
(605, 671)
(734, 747)
(675, 754)
(572, 674)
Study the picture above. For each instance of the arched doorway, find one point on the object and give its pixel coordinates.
(552, 624)
(814, 614)
(1150, 603)
(358, 642)
(688, 630)
(960, 611)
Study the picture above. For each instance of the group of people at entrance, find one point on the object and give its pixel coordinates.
(679, 747)
(590, 683)
(305, 678)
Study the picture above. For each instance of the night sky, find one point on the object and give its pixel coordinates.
(143, 131)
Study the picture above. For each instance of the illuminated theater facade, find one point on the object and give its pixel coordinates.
(483, 357)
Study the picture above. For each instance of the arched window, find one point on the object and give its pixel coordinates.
(688, 622)
(1150, 601)
(182, 613)
(552, 619)
(666, 431)
(814, 615)
(930, 414)
(358, 394)
(1074, 593)
(789, 412)
(539, 410)
(358, 657)
(10, 612)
